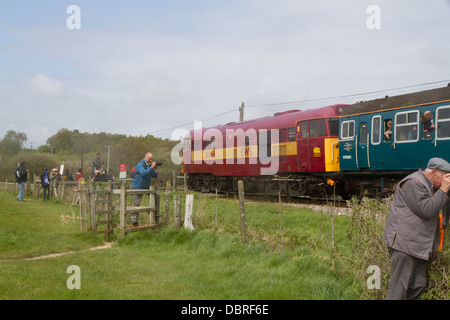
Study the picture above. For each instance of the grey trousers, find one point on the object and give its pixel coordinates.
(136, 202)
(408, 276)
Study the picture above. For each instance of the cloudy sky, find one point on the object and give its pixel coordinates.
(147, 67)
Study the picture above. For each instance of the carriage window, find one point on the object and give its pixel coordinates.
(388, 130)
(406, 126)
(291, 133)
(334, 126)
(269, 143)
(283, 135)
(247, 141)
(317, 128)
(376, 130)
(304, 129)
(443, 122)
(313, 128)
(322, 129)
(348, 129)
(363, 133)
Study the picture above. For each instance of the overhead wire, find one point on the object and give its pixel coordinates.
(344, 96)
(190, 123)
(302, 101)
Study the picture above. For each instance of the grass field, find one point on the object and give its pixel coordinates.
(210, 263)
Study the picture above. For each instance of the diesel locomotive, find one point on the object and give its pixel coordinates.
(359, 149)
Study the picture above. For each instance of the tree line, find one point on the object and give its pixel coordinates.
(77, 149)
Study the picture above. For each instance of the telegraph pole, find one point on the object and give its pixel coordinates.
(107, 167)
(82, 152)
(241, 109)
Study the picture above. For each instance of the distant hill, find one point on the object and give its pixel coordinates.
(76, 149)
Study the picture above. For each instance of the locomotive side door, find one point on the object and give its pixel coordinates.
(362, 145)
(347, 146)
(303, 141)
(310, 141)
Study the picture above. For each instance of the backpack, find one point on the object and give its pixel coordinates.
(133, 172)
(45, 182)
(20, 174)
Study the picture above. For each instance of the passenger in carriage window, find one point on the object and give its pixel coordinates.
(388, 131)
(428, 125)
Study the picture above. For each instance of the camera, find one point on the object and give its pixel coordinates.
(158, 164)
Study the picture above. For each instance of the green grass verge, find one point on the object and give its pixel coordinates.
(169, 264)
(34, 228)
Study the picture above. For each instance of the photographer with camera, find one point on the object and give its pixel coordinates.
(145, 170)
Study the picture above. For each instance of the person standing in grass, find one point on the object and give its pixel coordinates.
(55, 179)
(412, 231)
(96, 165)
(45, 182)
(145, 170)
(21, 178)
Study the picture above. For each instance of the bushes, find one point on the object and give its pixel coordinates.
(34, 162)
(365, 231)
(438, 276)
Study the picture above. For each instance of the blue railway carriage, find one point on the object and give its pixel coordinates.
(383, 140)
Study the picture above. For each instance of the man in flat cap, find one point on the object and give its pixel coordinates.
(412, 231)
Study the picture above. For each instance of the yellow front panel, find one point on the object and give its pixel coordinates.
(332, 154)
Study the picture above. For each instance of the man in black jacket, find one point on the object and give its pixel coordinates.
(21, 178)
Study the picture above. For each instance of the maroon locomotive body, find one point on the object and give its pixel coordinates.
(277, 152)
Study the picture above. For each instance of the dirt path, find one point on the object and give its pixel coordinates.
(107, 245)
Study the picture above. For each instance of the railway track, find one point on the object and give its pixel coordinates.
(315, 204)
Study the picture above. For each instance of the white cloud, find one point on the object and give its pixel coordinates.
(173, 66)
(47, 85)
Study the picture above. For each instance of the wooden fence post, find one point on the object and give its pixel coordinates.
(157, 205)
(152, 204)
(34, 185)
(63, 190)
(188, 213)
(332, 225)
(37, 188)
(242, 209)
(123, 209)
(60, 186)
(174, 175)
(92, 198)
(83, 204)
(166, 207)
(177, 211)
